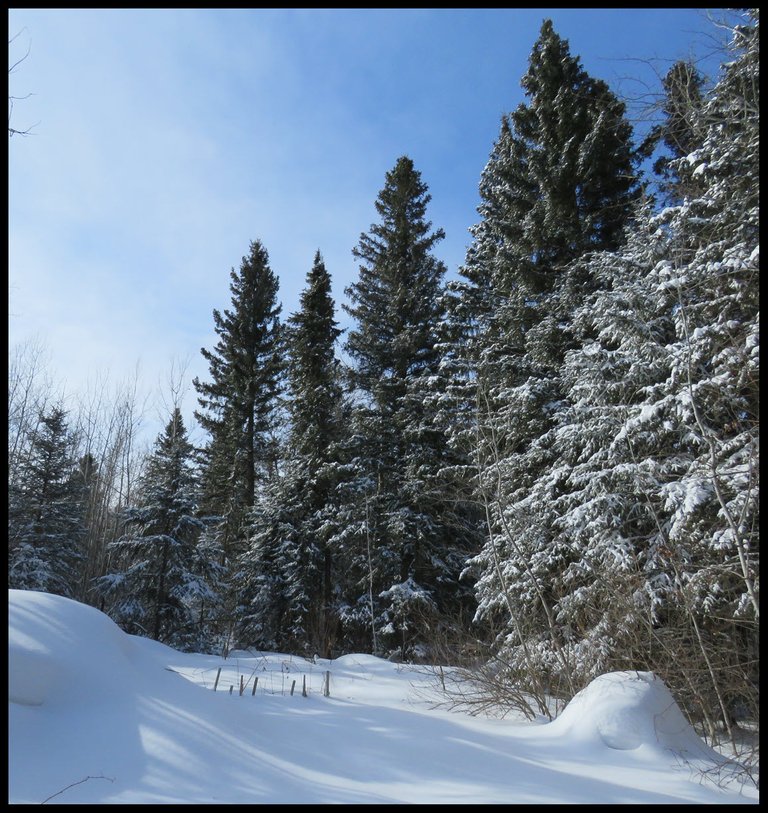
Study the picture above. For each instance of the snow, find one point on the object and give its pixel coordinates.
(101, 717)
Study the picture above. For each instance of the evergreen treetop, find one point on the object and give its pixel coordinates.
(395, 301)
(312, 367)
(563, 180)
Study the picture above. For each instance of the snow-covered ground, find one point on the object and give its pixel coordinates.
(97, 716)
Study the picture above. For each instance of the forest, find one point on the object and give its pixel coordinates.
(541, 470)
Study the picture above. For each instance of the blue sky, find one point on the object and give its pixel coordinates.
(164, 141)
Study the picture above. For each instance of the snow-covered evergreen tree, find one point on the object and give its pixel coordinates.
(560, 183)
(46, 505)
(711, 274)
(403, 554)
(159, 579)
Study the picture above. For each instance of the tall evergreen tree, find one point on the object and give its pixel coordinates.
(238, 404)
(46, 512)
(711, 274)
(292, 565)
(157, 579)
(560, 184)
(400, 555)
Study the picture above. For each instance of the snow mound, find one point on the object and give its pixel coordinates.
(47, 639)
(627, 710)
(356, 661)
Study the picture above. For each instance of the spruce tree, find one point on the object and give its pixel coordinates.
(711, 274)
(238, 403)
(157, 579)
(317, 424)
(400, 553)
(662, 436)
(559, 185)
(46, 512)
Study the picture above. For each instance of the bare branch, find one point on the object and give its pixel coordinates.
(58, 793)
(11, 98)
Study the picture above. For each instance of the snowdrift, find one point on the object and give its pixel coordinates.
(49, 639)
(629, 710)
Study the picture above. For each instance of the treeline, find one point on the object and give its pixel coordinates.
(551, 460)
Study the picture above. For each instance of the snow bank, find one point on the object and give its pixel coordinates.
(46, 634)
(628, 710)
